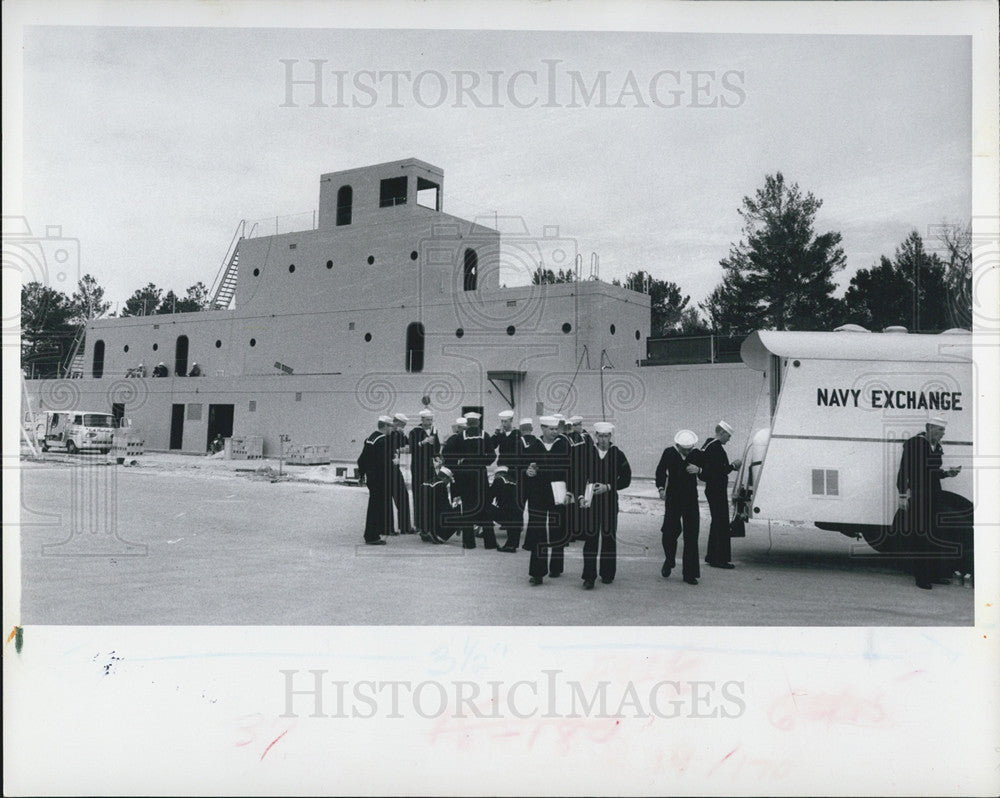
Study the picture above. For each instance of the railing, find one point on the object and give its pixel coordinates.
(692, 349)
(278, 225)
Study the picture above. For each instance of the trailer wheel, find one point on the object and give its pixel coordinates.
(71, 447)
(45, 447)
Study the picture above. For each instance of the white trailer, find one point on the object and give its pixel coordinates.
(837, 409)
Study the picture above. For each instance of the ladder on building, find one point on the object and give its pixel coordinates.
(225, 280)
(73, 365)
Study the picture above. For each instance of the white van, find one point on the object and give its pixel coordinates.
(836, 408)
(74, 431)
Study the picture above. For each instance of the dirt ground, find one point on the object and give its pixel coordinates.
(178, 540)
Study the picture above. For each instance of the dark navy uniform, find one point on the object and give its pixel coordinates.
(920, 474)
(546, 536)
(374, 464)
(715, 472)
(397, 485)
(508, 510)
(680, 514)
(467, 454)
(424, 447)
(599, 522)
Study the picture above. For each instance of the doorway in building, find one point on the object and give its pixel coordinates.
(181, 356)
(176, 426)
(220, 422)
(117, 413)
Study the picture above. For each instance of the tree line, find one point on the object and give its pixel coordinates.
(51, 321)
(780, 276)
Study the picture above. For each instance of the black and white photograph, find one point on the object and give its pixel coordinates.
(653, 452)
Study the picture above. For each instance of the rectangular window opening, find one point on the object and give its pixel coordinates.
(428, 194)
(392, 191)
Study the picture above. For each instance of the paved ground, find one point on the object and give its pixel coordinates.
(215, 545)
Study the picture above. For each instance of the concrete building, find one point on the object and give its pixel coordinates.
(388, 304)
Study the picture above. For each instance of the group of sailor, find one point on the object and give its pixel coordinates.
(558, 487)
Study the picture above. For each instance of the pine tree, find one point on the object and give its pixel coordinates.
(780, 275)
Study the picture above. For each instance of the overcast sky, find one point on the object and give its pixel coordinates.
(150, 144)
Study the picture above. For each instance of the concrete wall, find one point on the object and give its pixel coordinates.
(371, 337)
(648, 405)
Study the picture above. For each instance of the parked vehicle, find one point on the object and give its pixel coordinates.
(838, 408)
(74, 431)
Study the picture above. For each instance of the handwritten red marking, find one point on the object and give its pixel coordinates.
(13, 632)
(272, 744)
(721, 761)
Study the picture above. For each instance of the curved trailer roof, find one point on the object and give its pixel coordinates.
(945, 347)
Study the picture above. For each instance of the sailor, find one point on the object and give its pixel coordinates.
(400, 494)
(195, 370)
(160, 370)
(374, 466)
(507, 443)
(574, 434)
(425, 446)
(478, 455)
(715, 474)
(919, 484)
(601, 472)
(437, 503)
(547, 479)
(507, 506)
(527, 429)
(506, 440)
(677, 482)
(457, 426)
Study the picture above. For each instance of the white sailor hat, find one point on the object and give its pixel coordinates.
(472, 414)
(401, 417)
(725, 427)
(500, 470)
(558, 416)
(526, 422)
(462, 422)
(425, 413)
(385, 419)
(548, 421)
(686, 438)
(505, 414)
(576, 419)
(446, 471)
(604, 427)
(938, 421)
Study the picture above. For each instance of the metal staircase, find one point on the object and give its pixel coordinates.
(225, 280)
(73, 365)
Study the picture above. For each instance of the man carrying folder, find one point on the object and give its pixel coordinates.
(601, 472)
